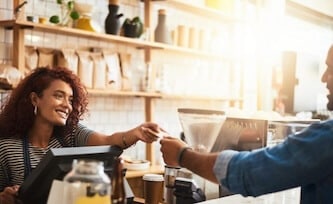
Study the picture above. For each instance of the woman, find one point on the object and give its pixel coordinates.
(43, 112)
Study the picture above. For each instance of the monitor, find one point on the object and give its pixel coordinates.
(57, 163)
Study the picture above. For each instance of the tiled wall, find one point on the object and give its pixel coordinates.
(109, 114)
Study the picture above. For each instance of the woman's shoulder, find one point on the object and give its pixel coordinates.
(10, 143)
(9, 147)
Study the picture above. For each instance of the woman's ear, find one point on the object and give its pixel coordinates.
(33, 98)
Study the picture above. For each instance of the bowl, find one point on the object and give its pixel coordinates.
(83, 8)
(136, 165)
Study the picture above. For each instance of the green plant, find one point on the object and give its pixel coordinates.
(67, 13)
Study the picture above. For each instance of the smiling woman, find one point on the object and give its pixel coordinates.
(43, 112)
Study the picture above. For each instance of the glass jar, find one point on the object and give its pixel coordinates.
(87, 183)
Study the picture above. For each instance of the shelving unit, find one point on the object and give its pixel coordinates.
(20, 26)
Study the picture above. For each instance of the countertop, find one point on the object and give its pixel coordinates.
(291, 196)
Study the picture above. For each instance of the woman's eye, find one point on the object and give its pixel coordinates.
(58, 96)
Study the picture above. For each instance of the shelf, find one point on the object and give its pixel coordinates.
(10, 24)
(103, 92)
(305, 12)
(78, 33)
(173, 48)
(197, 97)
(201, 11)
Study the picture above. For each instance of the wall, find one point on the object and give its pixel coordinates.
(110, 114)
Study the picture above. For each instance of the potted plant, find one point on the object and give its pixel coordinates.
(67, 13)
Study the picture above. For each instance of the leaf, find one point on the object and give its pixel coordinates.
(59, 1)
(54, 19)
(70, 5)
(75, 15)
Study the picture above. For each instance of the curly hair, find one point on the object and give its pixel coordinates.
(17, 113)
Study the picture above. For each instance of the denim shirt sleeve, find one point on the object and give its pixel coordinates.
(221, 163)
(301, 159)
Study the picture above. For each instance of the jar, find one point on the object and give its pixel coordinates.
(87, 183)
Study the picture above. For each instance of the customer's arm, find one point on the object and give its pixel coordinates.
(302, 159)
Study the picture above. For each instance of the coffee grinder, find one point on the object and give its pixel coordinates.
(201, 128)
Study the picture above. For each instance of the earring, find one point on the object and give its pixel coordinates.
(35, 110)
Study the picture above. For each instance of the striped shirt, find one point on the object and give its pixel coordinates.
(12, 159)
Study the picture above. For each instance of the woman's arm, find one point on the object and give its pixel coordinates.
(127, 138)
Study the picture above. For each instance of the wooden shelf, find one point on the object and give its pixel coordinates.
(55, 29)
(10, 24)
(195, 52)
(305, 12)
(202, 11)
(104, 92)
(198, 97)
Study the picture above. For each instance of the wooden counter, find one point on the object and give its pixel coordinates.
(153, 170)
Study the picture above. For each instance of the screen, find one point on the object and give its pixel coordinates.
(57, 163)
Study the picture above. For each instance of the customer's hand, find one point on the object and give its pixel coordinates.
(146, 132)
(8, 195)
(170, 148)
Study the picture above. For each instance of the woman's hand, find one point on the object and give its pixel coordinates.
(8, 195)
(148, 132)
(145, 132)
(170, 148)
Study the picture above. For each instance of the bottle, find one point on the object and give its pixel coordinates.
(162, 33)
(87, 183)
(118, 195)
(112, 21)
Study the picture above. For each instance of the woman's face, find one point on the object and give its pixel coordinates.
(55, 104)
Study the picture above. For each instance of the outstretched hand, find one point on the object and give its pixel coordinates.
(171, 148)
(149, 132)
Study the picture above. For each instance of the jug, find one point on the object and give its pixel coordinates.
(112, 21)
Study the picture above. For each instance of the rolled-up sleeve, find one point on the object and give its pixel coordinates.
(221, 164)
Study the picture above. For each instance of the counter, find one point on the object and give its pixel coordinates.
(291, 196)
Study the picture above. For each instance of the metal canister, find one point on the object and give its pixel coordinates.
(170, 174)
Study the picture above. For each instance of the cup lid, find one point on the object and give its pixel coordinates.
(153, 177)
